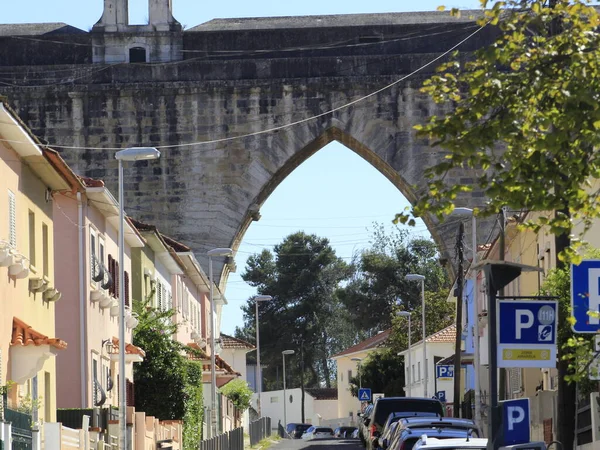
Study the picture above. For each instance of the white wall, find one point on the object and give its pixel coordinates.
(346, 403)
(324, 410)
(272, 405)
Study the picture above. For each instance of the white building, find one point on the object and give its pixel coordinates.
(320, 406)
(440, 345)
(348, 363)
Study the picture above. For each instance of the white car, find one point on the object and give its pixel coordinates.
(469, 443)
(317, 433)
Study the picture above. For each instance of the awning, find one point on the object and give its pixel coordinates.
(29, 349)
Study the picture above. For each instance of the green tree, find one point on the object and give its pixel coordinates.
(524, 116)
(383, 372)
(302, 274)
(239, 393)
(378, 282)
(167, 385)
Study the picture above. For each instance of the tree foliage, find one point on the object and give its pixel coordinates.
(383, 372)
(167, 385)
(302, 274)
(379, 283)
(525, 115)
(239, 393)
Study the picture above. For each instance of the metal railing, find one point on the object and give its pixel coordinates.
(259, 429)
(232, 440)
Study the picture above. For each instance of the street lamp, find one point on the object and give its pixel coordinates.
(358, 361)
(407, 314)
(421, 278)
(476, 361)
(213, 376)
(129, 154)
(257, 300)
(283, 353)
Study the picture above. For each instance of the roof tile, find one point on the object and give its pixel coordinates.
(24, 335)
(373, 342)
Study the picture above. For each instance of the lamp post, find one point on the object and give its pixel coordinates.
(283, 353)
(129, 154)
(213, 377)
(407, 314)
(358, 364)
(476, 361)
(257, 299)
(421, 278)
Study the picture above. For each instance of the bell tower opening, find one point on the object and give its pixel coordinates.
(138, 12)
(137, 55)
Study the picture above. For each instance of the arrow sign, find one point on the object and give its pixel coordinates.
(364, 394)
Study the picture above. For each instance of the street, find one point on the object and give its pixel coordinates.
(319, 444)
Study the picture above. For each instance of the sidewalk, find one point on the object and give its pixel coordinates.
(262, 445)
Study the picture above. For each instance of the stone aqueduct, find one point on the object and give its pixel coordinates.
(121, 85)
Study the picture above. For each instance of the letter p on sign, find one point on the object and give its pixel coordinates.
(523, 319)
(516, 415)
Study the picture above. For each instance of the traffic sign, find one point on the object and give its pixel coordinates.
(527, 333)
(516, 421)
(444, 372)
(585, 296)
(441, 396)
(364, 394)
(377, 397)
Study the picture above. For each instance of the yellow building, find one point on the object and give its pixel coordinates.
(28, 346)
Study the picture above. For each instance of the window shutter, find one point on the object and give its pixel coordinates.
(12, 219)
(159, 294)
(515, 381)
(118, 281)
(126, 281)
(111, 270)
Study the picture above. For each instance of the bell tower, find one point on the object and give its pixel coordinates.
(116, 41)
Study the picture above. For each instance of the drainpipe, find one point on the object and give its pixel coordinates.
(82, 304)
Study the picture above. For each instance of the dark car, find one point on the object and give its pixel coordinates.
(406, 438)
(343, 432)
(392, 422)
(296, 430)
(385, 406)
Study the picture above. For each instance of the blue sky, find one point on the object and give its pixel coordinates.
(334, 194)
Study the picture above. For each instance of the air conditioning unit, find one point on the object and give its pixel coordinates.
(19, 269)
(96, 295)
(106, 301)
(114, 309)
(52, 295)
(38, 285)
(132, 321)
(6, 255)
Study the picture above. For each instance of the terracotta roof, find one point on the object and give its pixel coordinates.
(61, 166)
(130, 349)
(447, 334)
(233, 342)
(141, 226)
(23, 334)
(177, 246)
(91, 182)
(373, 342)
(323, 393)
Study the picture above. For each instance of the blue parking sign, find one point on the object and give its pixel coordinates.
(441, 396)
(516, 421)
(585, 296)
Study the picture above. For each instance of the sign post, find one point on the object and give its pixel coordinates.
(527, 336)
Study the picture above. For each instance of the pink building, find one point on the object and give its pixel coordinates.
(87, 272)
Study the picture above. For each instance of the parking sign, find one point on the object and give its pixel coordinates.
(444, 373)
(527, 333)
(585, 296)
(516, 421)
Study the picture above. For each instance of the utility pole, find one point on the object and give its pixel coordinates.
(502, 251)
(459, 309)
(302, 376)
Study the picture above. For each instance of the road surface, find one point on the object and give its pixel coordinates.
(318, 444)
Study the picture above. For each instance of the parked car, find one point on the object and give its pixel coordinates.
(317, 433)
(296, 430)
(342, 432)
(355, 434)
(430, 443)
(363, 428)
(392, 422)
(406, 438)
(383, 407)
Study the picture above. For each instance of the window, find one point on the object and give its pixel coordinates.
(32, 238)
(45, 250)
(12, 219)
(137, 55)
(349, 375)
(412, 378)
(93, 269)
(419, 371)
(95, 381)
(126, 287)
(159, 295)
(274, 399)
(341, 377)
(47, 397)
